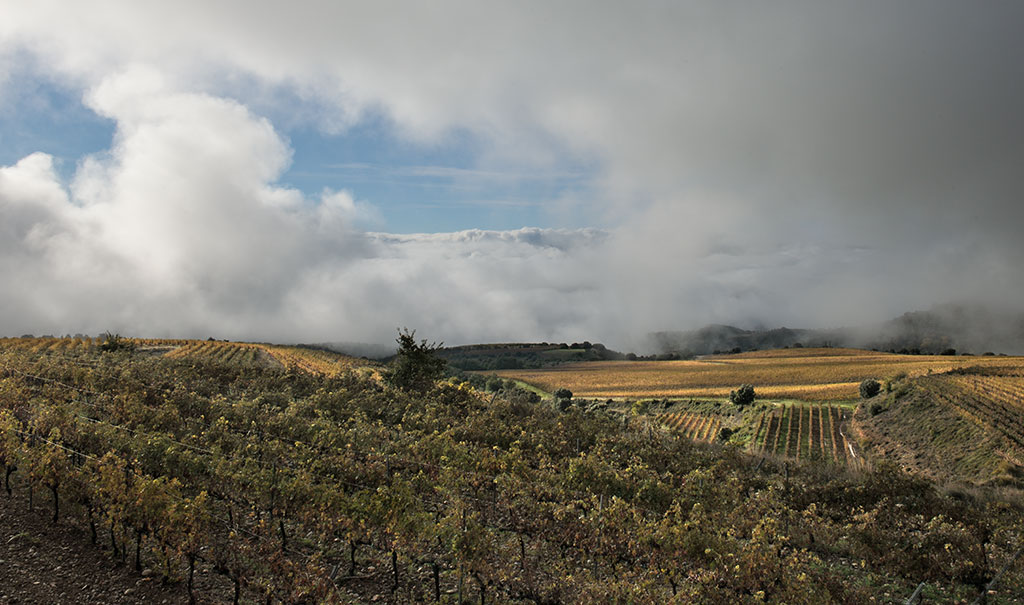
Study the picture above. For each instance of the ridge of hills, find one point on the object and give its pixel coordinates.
(965, 328)
(973, 329)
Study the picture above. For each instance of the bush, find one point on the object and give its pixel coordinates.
(494, 384)
(743, 395)
(869, 387)
(114, 342)
(901, 390)
(519, 395)
(563, 394)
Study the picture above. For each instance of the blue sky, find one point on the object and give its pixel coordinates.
(413, 186)
(427, 188)
(39, 115)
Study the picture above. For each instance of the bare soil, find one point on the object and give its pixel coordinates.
(41, 562)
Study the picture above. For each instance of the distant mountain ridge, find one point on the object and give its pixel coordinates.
(965, 328)
(359, 349)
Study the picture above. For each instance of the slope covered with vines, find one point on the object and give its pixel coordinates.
(966, 424)
(806, 432)
(304, 487)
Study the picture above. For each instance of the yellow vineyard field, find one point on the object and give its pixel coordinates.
(803, 374)
(313, 361)
(698, 427)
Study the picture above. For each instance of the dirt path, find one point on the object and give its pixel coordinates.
(45, 563)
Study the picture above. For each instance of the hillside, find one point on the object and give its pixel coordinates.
(951, 418)
(965, 328)
(244, 354)
(966, 425)
(483, 357)
(306, 486)
(723, 338)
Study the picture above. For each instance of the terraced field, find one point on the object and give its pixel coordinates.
(803, 374)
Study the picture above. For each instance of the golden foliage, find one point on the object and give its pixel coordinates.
(805, 374)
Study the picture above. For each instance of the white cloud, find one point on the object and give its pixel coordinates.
(179, 225)
(748, 166)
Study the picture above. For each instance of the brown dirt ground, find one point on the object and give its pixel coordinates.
(45, 563)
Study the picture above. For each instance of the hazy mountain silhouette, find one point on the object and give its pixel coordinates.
(966, 328)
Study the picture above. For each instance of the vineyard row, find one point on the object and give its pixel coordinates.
(804, 432)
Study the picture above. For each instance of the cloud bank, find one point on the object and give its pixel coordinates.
(813, 164)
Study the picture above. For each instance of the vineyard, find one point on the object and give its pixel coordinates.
(696, 427)
(282, 486)
(803, 374)
(315, 361)
(45, 346)
(222, 352)
(797, 431)
(299, 359)
(962, 425)
(805, 432)
(995, 402)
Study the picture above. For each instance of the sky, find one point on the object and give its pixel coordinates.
(520, 171)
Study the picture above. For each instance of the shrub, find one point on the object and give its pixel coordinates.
(563, 393)
(900, 390)
(743, 395)
(494, 384)
(114, 342)
(869, 387)
(893, 381)
(516, 394)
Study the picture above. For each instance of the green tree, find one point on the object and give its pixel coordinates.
(742, 396)
(416, 366)
(869, 387)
